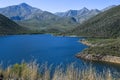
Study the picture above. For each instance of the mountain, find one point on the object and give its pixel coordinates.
(73, 13)
(106, 24)
(80, 15)
(19, 12)
(7, 26)
(38, 20)
(48, 22)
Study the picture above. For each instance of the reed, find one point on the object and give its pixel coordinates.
(34, 71)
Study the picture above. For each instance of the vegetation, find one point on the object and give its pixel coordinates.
(33, 71)
(51, 23)
(9, 27)
(104, 47)
(105, 24)
(101, 41)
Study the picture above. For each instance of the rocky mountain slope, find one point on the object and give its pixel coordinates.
(80, 15)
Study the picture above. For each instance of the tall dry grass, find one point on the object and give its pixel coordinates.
(34, 71)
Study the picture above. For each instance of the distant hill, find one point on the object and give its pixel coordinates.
(9, 27)
(106, 24)
(80, 15)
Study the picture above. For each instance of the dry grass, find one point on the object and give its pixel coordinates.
(33, 71)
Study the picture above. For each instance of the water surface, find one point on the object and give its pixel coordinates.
(45, 48)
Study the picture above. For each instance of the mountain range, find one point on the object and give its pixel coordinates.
(83, 14)
(80, 15)
(105, 24)
(38, 20)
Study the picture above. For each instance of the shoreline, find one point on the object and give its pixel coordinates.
(96, 57)
(101, 58)
(85, 42)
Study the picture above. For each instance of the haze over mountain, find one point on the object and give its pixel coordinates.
(106, 24)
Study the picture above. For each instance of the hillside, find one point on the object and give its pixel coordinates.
(105, 50)
(9, 27)
(48, 22)
(106, 24)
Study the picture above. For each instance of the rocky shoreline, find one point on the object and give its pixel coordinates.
(85, 42)
(97, 57)
(103, 58)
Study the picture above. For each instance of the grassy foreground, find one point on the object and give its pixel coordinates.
(34, 71)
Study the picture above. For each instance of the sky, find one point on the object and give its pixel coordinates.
(62, 5)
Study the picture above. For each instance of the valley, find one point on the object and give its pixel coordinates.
(77, 40)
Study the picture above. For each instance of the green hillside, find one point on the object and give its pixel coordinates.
(48, 22)
(9, 27)
(106, 24)
(104, 47)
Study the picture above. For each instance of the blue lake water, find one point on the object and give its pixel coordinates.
(45, 48)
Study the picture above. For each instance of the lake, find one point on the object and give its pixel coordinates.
(45, 48)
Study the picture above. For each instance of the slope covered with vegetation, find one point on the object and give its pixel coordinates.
(9, 27)
(104, 47)
(106, 24)
(48, 22)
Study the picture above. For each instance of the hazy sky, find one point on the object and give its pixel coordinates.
(62, 5)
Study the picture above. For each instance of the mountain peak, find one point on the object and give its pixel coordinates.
(19, 12)
(85, 8)
(24, 4)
